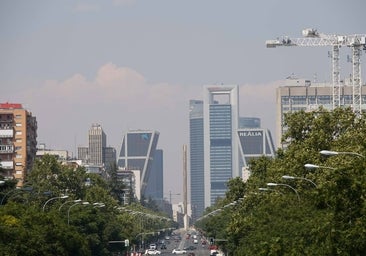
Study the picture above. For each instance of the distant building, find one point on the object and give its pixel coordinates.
(155, 184)
(97, 153)
(249, 122)
(220, 142)
(61, 155)
(301, 94)
(221, 152)
(196, 155)
(254, 143)
(18, 141)
(137, 152)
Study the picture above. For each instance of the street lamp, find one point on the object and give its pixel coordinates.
(271, 184)
(313, 166)
(54, 198)
(27, 189)
(288, 177)
(68, 212)
(73, 201)
(334, 153)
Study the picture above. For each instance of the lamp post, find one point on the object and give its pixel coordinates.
(27, 189)
(334, 153)
(271, 184)
(68, 212)
(73, 201)
(288, 177)
(314, 166)
(53, 198)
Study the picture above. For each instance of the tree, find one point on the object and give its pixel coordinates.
(330, 219)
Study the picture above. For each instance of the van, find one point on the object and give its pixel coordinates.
(153, 246)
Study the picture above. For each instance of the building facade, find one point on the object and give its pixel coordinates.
(300, 94)
(97, 153)
(137, 153)
(155, 184)
(196, 155)
(18, 141)
(254, 143)
(220, 121)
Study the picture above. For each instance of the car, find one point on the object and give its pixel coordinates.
(190, 248)
(152, 246)
(191, 254)
(152, 252)
(163, 247)
(179, 251)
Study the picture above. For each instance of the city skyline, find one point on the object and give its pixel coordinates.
(130, 65)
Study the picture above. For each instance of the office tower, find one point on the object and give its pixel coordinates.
(109, 156)
(137, 153)
(97, 153)
(196, 154)
(249, 122)
(221, 160)
(300, 94)
(155, 185)
(97, 142)
(254, 143)
(18, 141)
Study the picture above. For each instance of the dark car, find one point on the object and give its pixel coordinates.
(190, 248)
(191, 254)
(163, 247)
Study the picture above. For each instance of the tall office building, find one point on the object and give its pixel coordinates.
(137, 153)
(155, 184)
(97, 153)
(300, 94)
(254, 143)
(196, 155)
(18, 141)
(221, 120)
(97, 142)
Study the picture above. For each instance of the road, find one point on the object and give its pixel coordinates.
(186, 241)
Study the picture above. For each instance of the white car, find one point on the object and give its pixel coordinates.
(152, 252)
(179, 251)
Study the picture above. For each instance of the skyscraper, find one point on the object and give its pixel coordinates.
(196, 155)
(97, 143)
(97, 153)
(221, 160)
(137, 153)
(155, 184)
(18, 141)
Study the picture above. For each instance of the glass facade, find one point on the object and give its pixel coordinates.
(255, 143)
(220, 149)
(196, 158)
(140, 147)
(221, 152)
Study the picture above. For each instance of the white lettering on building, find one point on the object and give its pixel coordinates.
(250, 133)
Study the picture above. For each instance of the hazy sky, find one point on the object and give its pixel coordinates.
(135, 64)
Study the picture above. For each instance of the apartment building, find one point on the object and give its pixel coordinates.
(18, 141)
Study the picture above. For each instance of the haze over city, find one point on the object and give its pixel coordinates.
(130, 64)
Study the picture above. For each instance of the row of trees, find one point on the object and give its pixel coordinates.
(326, 215)
(30, 226)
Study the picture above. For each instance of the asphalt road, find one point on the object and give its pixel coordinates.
(201, 250)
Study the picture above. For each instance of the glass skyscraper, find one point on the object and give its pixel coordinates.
(137, 153)
(220, 120)
(196, 158)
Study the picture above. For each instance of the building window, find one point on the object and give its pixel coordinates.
(18, 133)
(18, 124)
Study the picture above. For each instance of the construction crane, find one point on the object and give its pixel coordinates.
(357, 42)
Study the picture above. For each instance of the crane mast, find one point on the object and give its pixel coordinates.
(312, 38)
